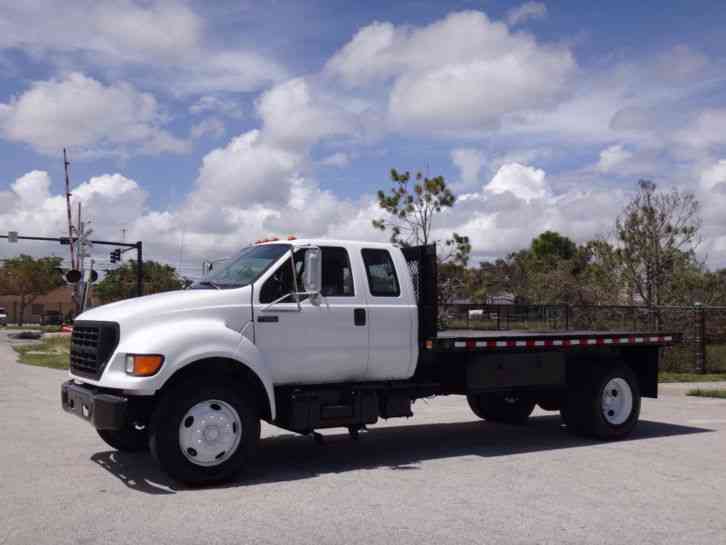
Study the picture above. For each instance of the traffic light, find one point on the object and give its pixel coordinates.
(116, 256)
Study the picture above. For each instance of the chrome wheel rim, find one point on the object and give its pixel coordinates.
(210, 433)
(617, 401)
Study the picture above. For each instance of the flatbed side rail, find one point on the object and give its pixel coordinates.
(560, 342)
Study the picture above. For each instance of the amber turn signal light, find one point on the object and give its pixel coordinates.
(140, 365)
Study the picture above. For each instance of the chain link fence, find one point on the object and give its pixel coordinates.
(703, 328)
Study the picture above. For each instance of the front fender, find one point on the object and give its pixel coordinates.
(182, 344)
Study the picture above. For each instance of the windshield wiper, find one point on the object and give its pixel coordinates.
(209, 283)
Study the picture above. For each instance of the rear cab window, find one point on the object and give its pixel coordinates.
(381, 273)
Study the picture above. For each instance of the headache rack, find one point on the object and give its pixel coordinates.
(421, 262)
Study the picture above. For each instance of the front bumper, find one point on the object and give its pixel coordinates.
(102, 411)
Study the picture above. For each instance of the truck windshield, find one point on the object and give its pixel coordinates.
(244, 269)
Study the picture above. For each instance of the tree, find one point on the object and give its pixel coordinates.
(553, 270)
(27, 278)
(553, 246)
(411, 206)
(411, 209)
(657, 234)
(120, 283)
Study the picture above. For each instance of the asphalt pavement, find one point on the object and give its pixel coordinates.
(441, 477)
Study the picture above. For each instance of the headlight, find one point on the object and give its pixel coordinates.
(143, 365)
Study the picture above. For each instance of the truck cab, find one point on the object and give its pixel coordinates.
(310, 334)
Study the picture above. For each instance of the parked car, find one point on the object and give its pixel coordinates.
(52, 317)
(318, 334)
(3, 317)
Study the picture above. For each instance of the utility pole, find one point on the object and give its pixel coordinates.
(139, 269)
(79, 248)
(66, 163)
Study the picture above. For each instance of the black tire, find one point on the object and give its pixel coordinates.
(164, 436)
(128, 440)
(505, 408)
(550, 403)
(585, 413)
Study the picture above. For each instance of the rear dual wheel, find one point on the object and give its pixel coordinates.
(604, 404)
(507, 408)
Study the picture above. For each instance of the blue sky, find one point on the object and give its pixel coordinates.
(200, 126)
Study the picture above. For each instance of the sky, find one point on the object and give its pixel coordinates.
(199, 127)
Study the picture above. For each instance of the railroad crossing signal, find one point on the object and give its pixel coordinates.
(72, 276)
(116, 256)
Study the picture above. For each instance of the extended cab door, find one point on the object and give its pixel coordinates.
(392, 314)
(315, 343)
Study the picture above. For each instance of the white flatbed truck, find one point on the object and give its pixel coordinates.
(312, 334)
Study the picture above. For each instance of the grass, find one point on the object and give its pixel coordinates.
(667, 376)
(700, 392)
(50, 352)
(33, 327)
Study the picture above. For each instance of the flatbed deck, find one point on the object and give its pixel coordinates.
(466, 339)
(498, 334)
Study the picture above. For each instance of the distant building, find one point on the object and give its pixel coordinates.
(57, 300)
(503, 298)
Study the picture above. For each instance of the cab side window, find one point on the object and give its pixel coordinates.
(337, 277)
(337, 274)
(280, 283)
(382, 279)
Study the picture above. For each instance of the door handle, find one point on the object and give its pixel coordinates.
(268, 319)
(359, 316)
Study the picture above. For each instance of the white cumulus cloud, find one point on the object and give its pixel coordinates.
(296, 116)
(526, 12)
(705, 130)
(247, 170)
(84, 114)
(490, 71)
(714, 175)
(525, 182)
(612, 157)
(166, 36)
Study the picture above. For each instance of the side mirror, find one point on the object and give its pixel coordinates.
(313, 271)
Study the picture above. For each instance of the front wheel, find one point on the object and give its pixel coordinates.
(126, 440)
(605, 405)
(204, 434)
(506, 408)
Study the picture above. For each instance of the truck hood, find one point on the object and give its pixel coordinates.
(198, 302)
